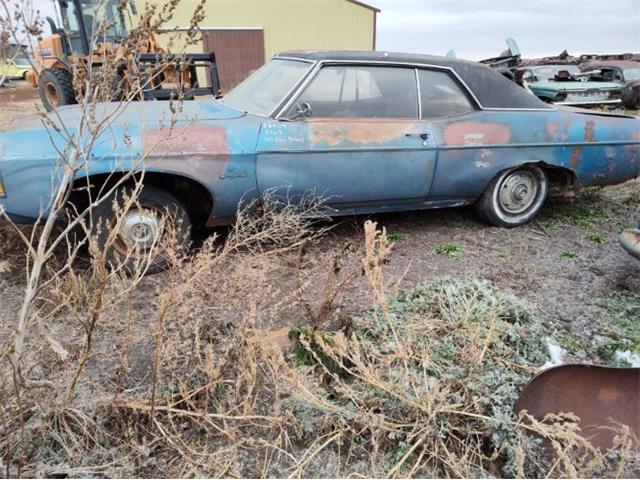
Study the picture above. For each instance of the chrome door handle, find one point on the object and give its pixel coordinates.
(423, 136)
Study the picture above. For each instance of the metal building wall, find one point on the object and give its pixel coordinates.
(290, 24)
(284, 24)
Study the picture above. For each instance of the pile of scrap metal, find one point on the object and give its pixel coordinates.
(588, 80)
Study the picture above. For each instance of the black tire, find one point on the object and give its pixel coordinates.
(56, 88)
(514, 197)
(151, 206)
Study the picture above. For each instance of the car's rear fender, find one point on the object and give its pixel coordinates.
(473, 148)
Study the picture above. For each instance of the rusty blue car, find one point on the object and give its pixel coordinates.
(366, 131)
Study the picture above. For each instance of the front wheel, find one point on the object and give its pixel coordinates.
(56, 88)
(514, 197)
(139, 236)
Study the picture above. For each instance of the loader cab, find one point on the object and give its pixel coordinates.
(81, 18)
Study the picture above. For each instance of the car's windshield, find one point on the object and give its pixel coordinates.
(548, 72)
(632, 74)
(261, 92)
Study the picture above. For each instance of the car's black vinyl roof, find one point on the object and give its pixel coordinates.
(491, 88)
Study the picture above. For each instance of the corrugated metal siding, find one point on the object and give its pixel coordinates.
(238, 53)
(290, 24)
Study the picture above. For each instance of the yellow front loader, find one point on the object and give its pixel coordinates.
(93, 34)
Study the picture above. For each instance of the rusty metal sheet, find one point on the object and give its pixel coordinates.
(630, 241)
(602, 397)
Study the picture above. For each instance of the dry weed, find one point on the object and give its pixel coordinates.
(186, 387)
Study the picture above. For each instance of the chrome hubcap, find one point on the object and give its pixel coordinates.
(140, 229)
(518, 192)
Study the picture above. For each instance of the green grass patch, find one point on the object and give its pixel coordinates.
(596, 238)
(569, 341)
(451, 250)
(619, 329)
(589, 210)
(396, 237)
(570, 256)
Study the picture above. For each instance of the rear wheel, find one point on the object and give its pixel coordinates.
(56, 88)
(142, 229)
(514, 197)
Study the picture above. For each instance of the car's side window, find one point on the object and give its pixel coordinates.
(360, 91)
(441, 95)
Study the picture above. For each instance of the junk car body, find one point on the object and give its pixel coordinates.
(15, 69)
(623, 72)
(366, 131)
(563, 85)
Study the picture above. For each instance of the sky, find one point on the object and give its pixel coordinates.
(477, 29)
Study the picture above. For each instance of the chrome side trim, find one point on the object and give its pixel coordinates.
(587, 102)
(415, 70)
(409, 148)
(508, 109)
(306, 60)
(542, 145)
(322, 63)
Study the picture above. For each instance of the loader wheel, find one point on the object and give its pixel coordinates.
(56, 88)
(156, 219)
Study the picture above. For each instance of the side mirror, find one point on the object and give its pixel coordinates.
(303, 110)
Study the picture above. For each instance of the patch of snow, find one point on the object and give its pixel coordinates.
(628, 357)
(556, 354)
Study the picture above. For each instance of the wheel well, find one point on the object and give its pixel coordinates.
(194, 196)
(559, 177)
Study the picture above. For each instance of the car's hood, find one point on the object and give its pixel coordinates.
(121, 125)
(136, 113)
(574, 86)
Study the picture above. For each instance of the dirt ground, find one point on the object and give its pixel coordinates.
(565, 264)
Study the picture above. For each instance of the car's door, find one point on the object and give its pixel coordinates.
(352, 136)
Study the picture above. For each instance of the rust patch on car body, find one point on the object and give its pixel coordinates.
(476, 133)
(361, 132)
(187, 140)
(576, 157)
(590, 131)
(558, 130)
(201, 151)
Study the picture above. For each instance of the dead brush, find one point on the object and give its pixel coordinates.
(186, 387)
(204, 367)
(426, 387)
